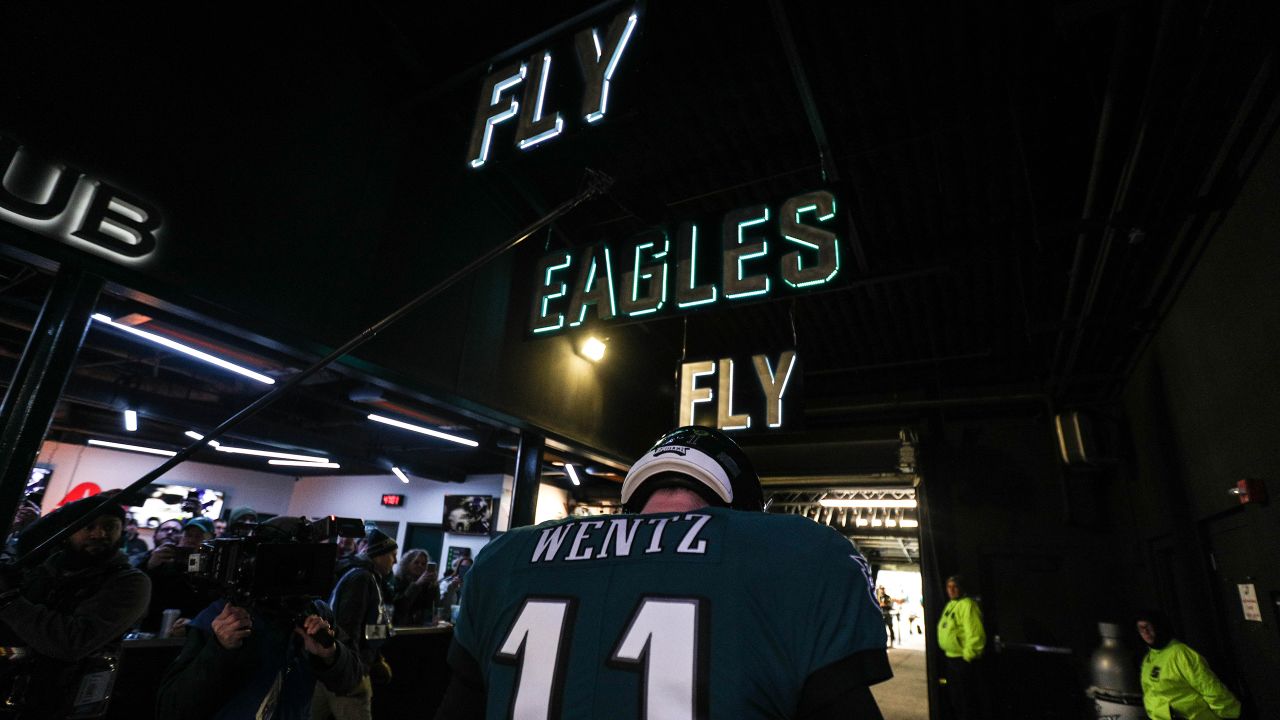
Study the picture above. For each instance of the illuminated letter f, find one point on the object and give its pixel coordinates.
(489, 114)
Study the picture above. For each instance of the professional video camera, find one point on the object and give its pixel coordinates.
(276, 564)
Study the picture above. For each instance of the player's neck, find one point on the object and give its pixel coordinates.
(673, 500)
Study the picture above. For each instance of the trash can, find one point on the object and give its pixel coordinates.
(1114, 690)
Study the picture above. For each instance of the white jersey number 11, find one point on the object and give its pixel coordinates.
(660, 642)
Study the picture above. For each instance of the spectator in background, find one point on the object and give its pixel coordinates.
(170, 587)
(1176, 681)
(451, 586)
(134, 547)
(886, 612)
(70, 612)
(28, 512)
(219, 528)
(241, 521)
(166, 535)
(362, 610)
(415, 589)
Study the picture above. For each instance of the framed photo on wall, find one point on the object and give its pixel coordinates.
(468, 514)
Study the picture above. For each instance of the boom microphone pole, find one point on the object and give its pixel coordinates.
(597, 184)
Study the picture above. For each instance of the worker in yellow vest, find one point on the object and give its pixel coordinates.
(962, 638)
(1176, 681)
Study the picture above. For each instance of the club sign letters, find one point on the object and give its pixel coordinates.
(63, 203)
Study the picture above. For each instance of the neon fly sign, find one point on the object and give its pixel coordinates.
(760, 252)
(718, 393)
(63, 203)
(599, 53)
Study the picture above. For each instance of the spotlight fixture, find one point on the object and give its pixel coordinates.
(131, 420)
(860, 503)
(422, 430)
(133, 448)
(400, 474)
(592, 349)
(184, 349)
(573, 474)
(300, 463)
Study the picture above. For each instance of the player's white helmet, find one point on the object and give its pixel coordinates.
(702, 459)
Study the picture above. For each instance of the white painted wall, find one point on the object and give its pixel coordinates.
(112, 469)
(553, 504)
(345, 495)
(361, 496)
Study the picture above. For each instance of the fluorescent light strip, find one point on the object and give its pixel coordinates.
(300, 463)
(271, 454)
(400, 474)
(133, 448)
(131, 420)
(423, 430)
(573, 474)
(830, 502)
(197, 436)
(186, 350)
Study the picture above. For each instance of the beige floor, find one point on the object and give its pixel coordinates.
(906, 695)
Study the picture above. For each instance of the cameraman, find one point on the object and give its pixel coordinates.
(256, 662)
(69, 612)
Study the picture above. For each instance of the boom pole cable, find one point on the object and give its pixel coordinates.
(597, 183)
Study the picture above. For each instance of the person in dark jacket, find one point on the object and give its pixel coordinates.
(70, 612)
(256, 662)
(362, 606)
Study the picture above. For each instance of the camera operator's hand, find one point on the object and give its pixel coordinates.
(314, 626)
(160, 556)
(232, 626)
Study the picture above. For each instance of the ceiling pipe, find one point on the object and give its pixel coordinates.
(1105, 120)
(826, 158)
(1122, 191)
(924, 405)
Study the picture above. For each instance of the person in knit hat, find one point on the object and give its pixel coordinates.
(241, 521)
(361, 604)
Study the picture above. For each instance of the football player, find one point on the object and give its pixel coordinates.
(694, 604)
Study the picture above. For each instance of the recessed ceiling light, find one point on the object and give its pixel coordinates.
(133, 448)
(400, 474)
(423, 430)
(300, 463)
(185, 349)
(271, 454)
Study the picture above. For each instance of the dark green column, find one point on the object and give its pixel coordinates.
(524, 492)
(37, 383)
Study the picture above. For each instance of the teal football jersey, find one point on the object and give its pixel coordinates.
(715, 613)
